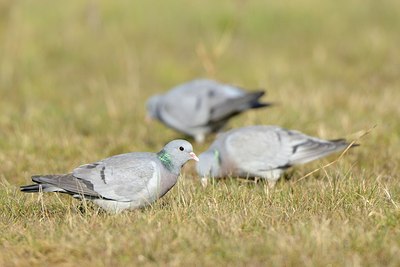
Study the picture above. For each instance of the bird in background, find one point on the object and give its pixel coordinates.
(121, 182)
(262, 152)
(201, 107)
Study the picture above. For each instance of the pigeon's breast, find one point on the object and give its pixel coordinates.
(167, 181)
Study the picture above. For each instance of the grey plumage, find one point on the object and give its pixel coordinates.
(200, 107)
(262, 151)
(125, 181)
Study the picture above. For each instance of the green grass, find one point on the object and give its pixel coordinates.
(74, 77)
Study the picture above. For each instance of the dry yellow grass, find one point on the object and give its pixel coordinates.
(74, 77)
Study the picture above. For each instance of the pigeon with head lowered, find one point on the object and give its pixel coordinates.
(200, 107)
(263, 152)
(126, 181)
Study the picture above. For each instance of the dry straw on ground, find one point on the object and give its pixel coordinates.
(74, 77)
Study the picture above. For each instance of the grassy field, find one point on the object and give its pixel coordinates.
(74, 77)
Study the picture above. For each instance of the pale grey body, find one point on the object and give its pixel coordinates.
(202, 106)
(262, 151)
(125, 181)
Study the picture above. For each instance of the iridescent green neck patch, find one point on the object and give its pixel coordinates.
(217, 157)
(165, 159)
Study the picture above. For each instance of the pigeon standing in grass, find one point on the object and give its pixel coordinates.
(126, 181)
(200, 107)
(263, 152)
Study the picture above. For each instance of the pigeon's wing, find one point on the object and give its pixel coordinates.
(306, 148)
(256, 149)
(121, 177)
(184, 108)
(193, 104)
(186, 105)
(262, 148)
(230, 107)
(64, 183)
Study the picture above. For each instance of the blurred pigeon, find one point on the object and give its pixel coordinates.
(200, 107)
(262, 151)
(120, 182)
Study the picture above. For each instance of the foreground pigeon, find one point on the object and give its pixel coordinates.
(200, 107)
(126, 181)
(262, 151)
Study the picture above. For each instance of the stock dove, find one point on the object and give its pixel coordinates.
(125, 181)
(200, 107)
(263, 152)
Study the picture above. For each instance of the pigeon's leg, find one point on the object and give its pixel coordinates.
(204, 181)
(271, 176)
(199, 138)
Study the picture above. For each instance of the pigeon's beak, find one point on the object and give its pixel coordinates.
(193, 156)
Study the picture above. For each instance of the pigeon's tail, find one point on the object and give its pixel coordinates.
(33, 188)
(63, 183)
(254, 101)
(343, 143)
(313, 149)
(40, 186)
(237, 105)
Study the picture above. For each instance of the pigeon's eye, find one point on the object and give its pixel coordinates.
(181, 148)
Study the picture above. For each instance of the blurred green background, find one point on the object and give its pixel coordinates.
(75, 75)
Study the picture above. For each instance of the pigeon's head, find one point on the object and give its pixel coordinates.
(209, 164)
(176, 153)
(152, 107)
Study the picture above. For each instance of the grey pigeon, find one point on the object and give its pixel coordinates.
(263, 152)
(126, 181)
(200, 107)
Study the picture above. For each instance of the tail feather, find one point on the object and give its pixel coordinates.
(314, 149)
(343, 142)
(33, 188)
(261, 105)
(235, 106)
(64, 183)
